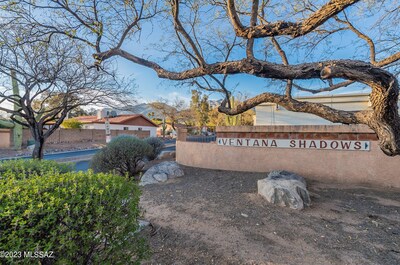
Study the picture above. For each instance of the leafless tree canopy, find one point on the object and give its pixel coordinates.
(206, 41)
(53, 80)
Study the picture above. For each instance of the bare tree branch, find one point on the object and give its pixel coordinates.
(294, 29)
(285, 61)
(179, 28)
(362, 36)
(306, 23)
(52, 83)
(253, 22)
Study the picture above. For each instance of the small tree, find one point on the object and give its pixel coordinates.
(170, 110)
(164, 128)
(71, 124)
(124, 155)
(200, 107)
(53, 81)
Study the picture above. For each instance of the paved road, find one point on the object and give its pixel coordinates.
(61, 155)
(82, 165)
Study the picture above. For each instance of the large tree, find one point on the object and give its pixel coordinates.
(213, 40)
(200, 108)
(53, 80)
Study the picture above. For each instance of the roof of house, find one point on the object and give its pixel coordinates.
(120, 119)
(86, 119)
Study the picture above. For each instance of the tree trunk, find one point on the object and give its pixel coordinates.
(385, 120)
(39, 148)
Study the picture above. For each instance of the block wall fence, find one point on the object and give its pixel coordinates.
(345, 166)
(85, 135)
(69, 136)
(5, 138)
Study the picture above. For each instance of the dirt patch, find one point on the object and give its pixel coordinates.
(216, 217)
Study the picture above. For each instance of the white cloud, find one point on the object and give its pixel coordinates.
(173, 95)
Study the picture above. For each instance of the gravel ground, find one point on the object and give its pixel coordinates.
(216, 217)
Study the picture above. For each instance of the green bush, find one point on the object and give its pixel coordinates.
(81, 217)
(123, 156)
(23, 168)
(157, 145)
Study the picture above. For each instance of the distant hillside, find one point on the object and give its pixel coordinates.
(143, 109)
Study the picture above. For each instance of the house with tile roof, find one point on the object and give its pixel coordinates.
(134, 122)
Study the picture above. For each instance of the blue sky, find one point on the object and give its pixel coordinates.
(150, 87)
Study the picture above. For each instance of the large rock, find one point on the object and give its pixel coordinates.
(284, 189)
(164, 155)
(161, 173)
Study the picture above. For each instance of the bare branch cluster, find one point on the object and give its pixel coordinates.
(53, 80)
(212, 40)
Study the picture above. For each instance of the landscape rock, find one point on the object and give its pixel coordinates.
(162, 177)
(161, 173)
(164, 155)
(143, 223)
(284, 188)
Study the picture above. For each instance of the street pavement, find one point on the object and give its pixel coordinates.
(82, 157)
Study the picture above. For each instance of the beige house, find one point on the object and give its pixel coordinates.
(272, 114)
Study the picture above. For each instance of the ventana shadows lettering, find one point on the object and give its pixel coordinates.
(296, 143)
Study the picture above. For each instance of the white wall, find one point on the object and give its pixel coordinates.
(100, 126)
(269, 114)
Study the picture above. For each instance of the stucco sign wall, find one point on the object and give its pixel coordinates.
(297, 144)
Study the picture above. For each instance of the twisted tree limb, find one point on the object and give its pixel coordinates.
(280, 28)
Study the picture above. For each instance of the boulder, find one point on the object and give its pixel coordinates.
(161, 173)
(164, 155)
(160, 177)
(284, 189)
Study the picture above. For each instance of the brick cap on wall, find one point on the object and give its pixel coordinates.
(298, 128)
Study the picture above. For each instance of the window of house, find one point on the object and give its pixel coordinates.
(126, 128)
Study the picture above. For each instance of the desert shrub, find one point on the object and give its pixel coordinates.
(157, 145)
(71, 124)
(123, 155)
(81, 217)
(23, 168)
